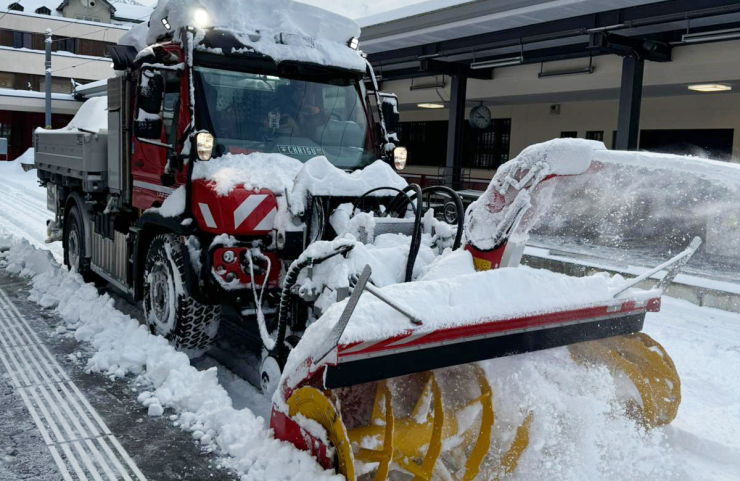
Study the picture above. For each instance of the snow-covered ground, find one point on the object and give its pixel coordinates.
(23, 210)
(575, 433)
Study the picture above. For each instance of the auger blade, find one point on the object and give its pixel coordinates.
(648, 367)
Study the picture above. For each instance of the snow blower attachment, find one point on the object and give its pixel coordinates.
(387, 385)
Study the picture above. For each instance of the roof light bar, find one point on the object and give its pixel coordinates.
(504, 62)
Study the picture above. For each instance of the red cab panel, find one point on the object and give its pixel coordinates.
(241, 212)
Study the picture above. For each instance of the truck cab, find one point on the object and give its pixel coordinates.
(185, 115)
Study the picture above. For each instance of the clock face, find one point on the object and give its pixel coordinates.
(480, 117)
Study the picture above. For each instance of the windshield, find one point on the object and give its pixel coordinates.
(249, 113)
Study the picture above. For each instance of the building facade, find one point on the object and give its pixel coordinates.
(81, 32)
(547, 77)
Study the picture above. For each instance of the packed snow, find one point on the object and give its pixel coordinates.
(578, 432)
(280, 29)
(125, 347)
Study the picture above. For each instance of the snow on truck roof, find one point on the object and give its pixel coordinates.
(280, 29)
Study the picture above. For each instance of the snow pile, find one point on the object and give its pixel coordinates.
(125, 346)
(279, 174)
(280, 29)
(468, 299)
(510, 195)
(320, 178)
(92, 117)
(173, 205)
(274, 172)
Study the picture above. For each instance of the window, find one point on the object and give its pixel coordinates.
(482, 149)
(22, 40)
(88, 19)
(5, 130)
(715, 144)
(595, 135)
(16, 6)
(7, 80)
(61, 85)
(43, 11)
(488, 148)
(91, 47)
(65, 45)
(569, 134)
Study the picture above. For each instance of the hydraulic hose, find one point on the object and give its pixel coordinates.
(458, 206)
(400, 202)
(291, 277)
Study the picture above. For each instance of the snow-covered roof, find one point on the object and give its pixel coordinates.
(280, 29)
(122, 11)
(132, 12)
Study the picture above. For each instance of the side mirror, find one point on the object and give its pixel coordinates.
(391, 117)
(148, 123)
(148, 128)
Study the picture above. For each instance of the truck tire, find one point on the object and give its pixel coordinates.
(74, 243)
(191, 327)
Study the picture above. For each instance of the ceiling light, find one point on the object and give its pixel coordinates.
(431, 106)
(504, 62)
(710, 87)
(727, 34)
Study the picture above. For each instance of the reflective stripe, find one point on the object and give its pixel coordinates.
(268, 222)
(246, 209)
(207, 216)
(154, 187)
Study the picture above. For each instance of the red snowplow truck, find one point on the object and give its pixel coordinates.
(239, 171)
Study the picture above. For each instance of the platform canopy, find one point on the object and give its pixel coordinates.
(450, 36)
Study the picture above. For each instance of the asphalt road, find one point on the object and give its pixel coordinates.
(57, 422)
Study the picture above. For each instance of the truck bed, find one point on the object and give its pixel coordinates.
(74, 154)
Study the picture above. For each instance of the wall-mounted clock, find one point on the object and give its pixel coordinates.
(480, 117)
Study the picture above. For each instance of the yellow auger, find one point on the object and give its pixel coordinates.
(429, 443)
(647, 365)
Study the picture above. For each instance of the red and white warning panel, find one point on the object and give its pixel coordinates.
(242, 212)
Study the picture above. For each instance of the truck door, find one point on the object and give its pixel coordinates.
(156, 117)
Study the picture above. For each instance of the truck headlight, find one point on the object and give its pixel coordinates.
(204, 142)
(400, 155)
(201, 19)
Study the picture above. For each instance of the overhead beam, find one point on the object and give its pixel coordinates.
(629, 17)
(431, 67)
(646, 49)
(630, 101)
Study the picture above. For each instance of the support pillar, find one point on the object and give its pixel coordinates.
(630, 100)
(47, 79)
(455, 130)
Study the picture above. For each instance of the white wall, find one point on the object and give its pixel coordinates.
(67, 66)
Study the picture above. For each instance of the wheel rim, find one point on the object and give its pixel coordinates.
(73, 250)
(160, 300)
(450, 213)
